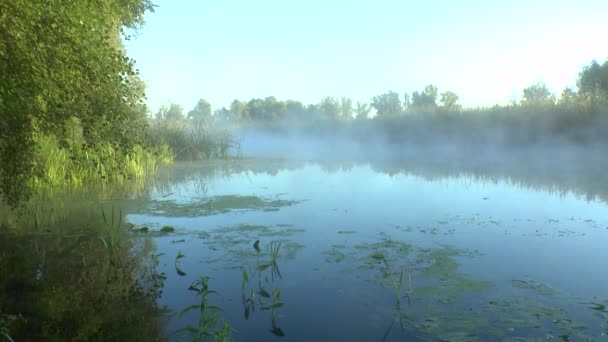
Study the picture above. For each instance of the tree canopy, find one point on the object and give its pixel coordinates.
(64, 64)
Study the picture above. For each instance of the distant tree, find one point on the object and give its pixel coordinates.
(161, 113)
(174, 113)
(330, 107)
(537, 95)
(449, 102)
(295, 109)
(593, 81)
(274, 109)
(239, 111)
(362, 111)
(425, 101)
(222, 115)
(256, 109)
(346, 108)
(568, 97)
(387, 104)
(201, 112)
(406, 102)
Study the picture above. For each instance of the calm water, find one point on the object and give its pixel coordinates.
(363, 253)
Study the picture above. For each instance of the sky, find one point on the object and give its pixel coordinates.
(486, 52)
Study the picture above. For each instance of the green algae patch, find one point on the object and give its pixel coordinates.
(537, 287)
(215, 205)
(167, 229)
(247, 243)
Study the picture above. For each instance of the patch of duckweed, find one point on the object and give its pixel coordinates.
(167, 229)
(535, 286)
(215, 205)
(334, 255)
(246, 243)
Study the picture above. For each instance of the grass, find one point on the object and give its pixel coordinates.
(191, 141)
(76, 166)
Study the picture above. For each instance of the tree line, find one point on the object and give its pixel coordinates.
(591, 92)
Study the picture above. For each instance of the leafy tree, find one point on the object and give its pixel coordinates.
(449, 102)
(223, 114)
(425, 101)
(593, 81)
(346, 108)
(568, 97)
(161, 114)
(330, 107)
(537, 95)
(387, 104)
(362, 111)
(201, 112)
(240, 111)
(175, 113)
(60, 64)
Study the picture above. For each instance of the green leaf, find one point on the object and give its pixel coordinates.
(191, 307)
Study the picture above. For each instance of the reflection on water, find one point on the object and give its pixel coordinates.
(255, 250)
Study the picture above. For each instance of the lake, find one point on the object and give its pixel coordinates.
(271, 249)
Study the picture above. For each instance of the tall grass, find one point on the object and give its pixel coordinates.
(105, 170)
(76, 166)
(193, 141)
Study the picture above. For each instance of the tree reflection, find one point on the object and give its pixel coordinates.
(78, 288)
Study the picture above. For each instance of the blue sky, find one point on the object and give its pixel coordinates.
(484, 51)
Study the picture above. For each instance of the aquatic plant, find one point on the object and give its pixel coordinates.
(208, 324)
(178, 269)
(114, 232)
(274, 255)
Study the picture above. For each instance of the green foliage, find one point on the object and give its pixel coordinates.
(593, 81)
(189, 140)
(538, 96)
(209, 327)
(201, 112)
(387, 104)
(64, 62)
(74, 288)
(425, 101)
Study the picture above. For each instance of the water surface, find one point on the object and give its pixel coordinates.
(363, 252)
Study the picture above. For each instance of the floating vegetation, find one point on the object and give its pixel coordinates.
(167, 229)
(215, 205)
(537, 287)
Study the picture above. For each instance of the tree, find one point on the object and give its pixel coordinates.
(240, 111)
(223, 114)
(406, 102)
(425, 101)
(593, 81)
(161, 113)
(568, 97)
(449, 102)
(175, 113)
(346, 108)
(62, 63)
(537, 95)
(330, 107)
(362, 111)
(201, 112)
(387, 104)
